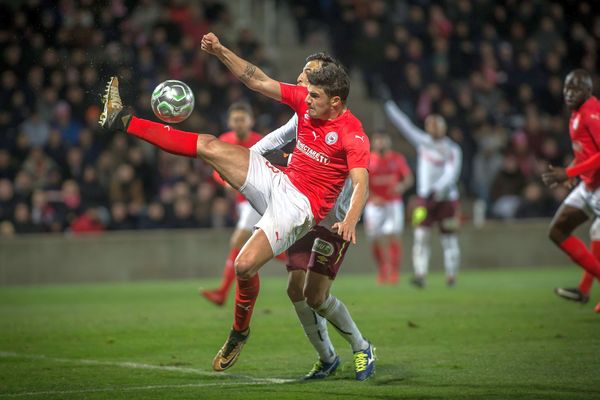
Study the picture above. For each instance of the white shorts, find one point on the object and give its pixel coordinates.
(585, 200)
(247, 216)
(286, 213)
(383, 220)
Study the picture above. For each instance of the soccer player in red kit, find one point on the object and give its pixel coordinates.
(331, 146)
(584, 200)
(240, 120)
(389, 177)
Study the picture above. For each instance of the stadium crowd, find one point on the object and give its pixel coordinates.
(493, 69)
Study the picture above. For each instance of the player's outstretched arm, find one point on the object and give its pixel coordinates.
(401, 121)
(248, 73)
(360, 193)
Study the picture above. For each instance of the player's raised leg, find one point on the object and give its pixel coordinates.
(230, 161)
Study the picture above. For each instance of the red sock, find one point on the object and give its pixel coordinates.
(229, 271)
(395, 250)
(576, 249)
(380, 258)
(169, 139)
(245, 297)
(587, 279)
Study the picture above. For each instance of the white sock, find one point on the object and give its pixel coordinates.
(337, 314)
(451, 253)
(315, 328)
(421, 251)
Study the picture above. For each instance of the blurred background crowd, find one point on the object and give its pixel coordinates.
(494, 69)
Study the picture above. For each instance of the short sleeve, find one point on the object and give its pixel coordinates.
(358, 150)
(293, 96)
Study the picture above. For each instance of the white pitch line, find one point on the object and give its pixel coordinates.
(134, 365)
(126, 389)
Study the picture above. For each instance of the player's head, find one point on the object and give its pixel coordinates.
(577, 88)
(328, 89)
(314, 62)
(435, 125)
(240, 118)
(381, 142)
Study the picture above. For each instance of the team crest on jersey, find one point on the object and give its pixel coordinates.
(331, 138)
(306, 116)
(576, 122)
(322, 247)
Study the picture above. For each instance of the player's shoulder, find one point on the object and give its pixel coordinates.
(591, 109)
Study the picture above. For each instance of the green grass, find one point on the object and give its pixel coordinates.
(500, 334)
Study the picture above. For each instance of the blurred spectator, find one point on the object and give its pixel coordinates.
(88, 222)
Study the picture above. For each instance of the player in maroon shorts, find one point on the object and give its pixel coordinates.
(584, 200)
(389, 177)
(331, 146)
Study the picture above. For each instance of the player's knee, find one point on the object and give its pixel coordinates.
(556, 234)
(295, 292)
(205, 146)
(244, 267)
(314, 300)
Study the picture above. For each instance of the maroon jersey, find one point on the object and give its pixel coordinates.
(385, 173)
(325, 151)
(231, 137)
(584, 128)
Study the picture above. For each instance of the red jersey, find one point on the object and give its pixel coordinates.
(231, 137)
(385, 173)
(584, 128)
(325, 152)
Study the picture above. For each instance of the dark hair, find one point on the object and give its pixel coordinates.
(240, 106)
(323, 57)
(333, 79)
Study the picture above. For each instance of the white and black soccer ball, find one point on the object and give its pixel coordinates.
(172, 101)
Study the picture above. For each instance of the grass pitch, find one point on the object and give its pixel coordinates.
(500, 334)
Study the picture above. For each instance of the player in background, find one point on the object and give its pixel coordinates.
(290, 203)
(581, 293)
(240, 119)
(389, 177)
(438, 170)
(314, 260)
(584, 200)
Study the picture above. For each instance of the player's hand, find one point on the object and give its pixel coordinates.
(554, 176)
(346, 229)
(211, 44)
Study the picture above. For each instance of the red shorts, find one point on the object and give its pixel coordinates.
(442, 213)
(320, 250)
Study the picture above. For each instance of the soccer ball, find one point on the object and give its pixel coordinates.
(172, 101)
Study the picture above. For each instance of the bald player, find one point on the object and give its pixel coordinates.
(584, 201)
(438, 170)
